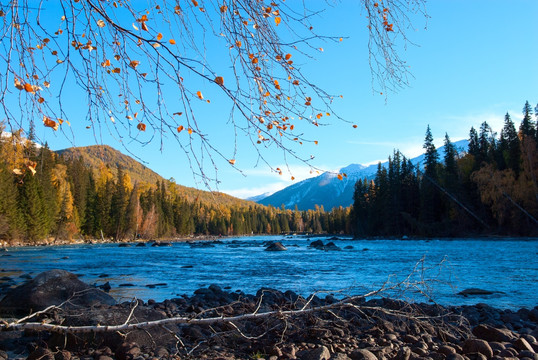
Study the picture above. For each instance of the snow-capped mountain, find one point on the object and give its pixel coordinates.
(328, 191)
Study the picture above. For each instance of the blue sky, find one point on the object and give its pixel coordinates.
(473, 62)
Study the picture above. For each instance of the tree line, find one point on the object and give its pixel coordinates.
(44, 195)
(491, 188)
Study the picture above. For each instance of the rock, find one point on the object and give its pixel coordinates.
(455, 357)
(446, 350)
(3, 355)
(41, 353)
(331, 247)
(522, 345)
(320, 353)
(52, 287)
(477, 346)
(489, 333)
(349, 247)
(340, 356)
(316, 244)
(127, 351)
(124, 245)
(277, 246)
(105, 287)
(141, 244)
(62, 355)
(362, 354)
(475, 291)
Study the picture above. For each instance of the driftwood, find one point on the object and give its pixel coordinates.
(349, 302)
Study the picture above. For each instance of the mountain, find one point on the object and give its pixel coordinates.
(328, 191)
(96, 156)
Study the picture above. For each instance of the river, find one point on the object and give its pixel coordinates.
(440, 268)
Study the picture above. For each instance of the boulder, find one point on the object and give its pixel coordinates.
(277, 246)
(318, 244)
(320, 353)
(362, 354)
(477, 346)
(489, 333)
(52, 287)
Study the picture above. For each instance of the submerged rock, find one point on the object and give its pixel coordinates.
(475, 291)
(277, 246)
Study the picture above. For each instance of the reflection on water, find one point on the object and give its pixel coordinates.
(506, 266)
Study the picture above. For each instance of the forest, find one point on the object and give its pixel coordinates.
(490, 189)
(47, 196)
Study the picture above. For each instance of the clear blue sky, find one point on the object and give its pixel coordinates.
(474, 61)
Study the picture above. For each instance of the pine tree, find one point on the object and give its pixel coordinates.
(430, 199)
(509, 145)
(11, 223)
(527, 128)
(474, 147)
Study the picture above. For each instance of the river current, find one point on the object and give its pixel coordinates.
(411, 268)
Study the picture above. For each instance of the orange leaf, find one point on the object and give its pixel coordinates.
(318, 116)
(199, 94)
(232, 161)
(134, 63)
(315, 142)
(238, 43)
(172, 41)
(292, 178)
(295, 82)
(141, 126)
(41, 100)
(159, 36)
(219, 80)
(29, 88)
(116, 70)
(292, 127)
(180, 128)
(144, 27)
(178, 113)
(189, 130)
(354, 126)
(48, 122)
(223, 8)
(195, 3)
(277, 20)
(339, 176)
(287, 57)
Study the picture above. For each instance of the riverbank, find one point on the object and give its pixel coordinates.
(217, 324)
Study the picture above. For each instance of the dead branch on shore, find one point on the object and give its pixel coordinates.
(353, 303)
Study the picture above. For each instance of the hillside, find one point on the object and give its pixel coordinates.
(95, 155)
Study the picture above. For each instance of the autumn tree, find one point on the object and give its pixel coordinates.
(145, 68)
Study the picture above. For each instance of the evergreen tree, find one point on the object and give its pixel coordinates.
(474, 147)
(430, 199)
(509, 146)
(11, 222)
(526, 129)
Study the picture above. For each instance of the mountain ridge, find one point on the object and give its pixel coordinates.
(327, 191)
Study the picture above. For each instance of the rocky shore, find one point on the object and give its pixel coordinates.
(267, 325)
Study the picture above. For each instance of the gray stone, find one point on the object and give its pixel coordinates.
(277, 246)
(362, 354)
(522, 344)
(489, 333)
(340, 356)
(477, 346)
(52, 287)
(320, 353)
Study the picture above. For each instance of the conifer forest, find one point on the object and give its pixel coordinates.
(491, 188)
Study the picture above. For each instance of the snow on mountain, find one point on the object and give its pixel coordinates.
(327, 191)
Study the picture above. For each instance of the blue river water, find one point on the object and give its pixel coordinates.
(410, 268)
